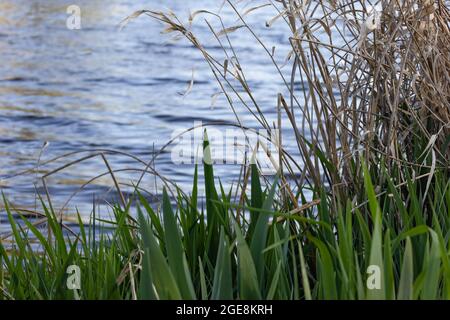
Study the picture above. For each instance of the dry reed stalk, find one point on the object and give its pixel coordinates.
(376, 84)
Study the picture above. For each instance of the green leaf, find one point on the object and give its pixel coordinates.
(259, 238)
(274, 283)
(388, 267)
(327, 271)
(256, 196)
(305, 281)
(432, 270)
(248, 280)
(213, 215)
(222, 283)
(376, 249)
(405, 290)
(175, 251)
(203, 287)
(163, 279)
(146, 282)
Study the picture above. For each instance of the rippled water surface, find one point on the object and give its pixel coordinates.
(98, 88)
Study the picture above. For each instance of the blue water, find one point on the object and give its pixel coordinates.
(101, 88)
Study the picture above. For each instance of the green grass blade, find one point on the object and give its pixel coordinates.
(248, 280)
(175, 251)
(405, 290)
(163, 279)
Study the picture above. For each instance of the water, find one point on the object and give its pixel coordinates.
(98, 88)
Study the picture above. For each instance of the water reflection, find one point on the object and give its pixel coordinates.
(99, 88)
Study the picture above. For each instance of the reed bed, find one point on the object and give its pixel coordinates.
(189, 251)
(368, 187)
(387, 61)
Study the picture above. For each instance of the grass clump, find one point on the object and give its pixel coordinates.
(190, 252)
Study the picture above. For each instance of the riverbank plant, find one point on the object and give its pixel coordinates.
(385, 249)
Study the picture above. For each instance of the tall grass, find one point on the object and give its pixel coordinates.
(189, 251)
(371, 123)
(375, 84)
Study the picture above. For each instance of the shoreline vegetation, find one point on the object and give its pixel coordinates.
(368, 217)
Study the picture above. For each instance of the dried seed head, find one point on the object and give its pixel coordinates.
(373, 20)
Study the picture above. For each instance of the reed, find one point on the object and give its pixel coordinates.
(375, 84)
